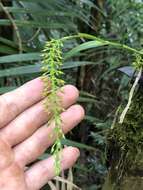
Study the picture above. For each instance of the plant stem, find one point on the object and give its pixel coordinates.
(91, 37)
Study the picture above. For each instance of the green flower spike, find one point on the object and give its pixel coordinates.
(51, 68)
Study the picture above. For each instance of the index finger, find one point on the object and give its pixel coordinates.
(15, 102)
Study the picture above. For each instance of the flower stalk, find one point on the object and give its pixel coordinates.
(52, 63)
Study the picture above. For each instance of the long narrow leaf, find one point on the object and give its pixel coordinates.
(84, 46)
(76, 144)
(30, 69)
(37, 12)
(34, 24)
(20, 57)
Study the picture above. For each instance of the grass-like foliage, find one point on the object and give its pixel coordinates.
(52, 62)
(52, 70)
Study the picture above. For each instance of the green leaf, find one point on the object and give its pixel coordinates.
(7, 49)
(20, 70)
(84, 46)
(40, 13)
(76, 144)
(34, 24)
(72, 64)
(89, 100)
(14, 45)
(8, 42)
(20, 57)
(35, 68)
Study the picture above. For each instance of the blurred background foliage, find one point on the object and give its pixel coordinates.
(25, 26)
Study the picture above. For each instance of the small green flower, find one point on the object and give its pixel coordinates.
(52, 62)
(138, 63)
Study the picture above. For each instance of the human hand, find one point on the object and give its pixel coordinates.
(24, 136)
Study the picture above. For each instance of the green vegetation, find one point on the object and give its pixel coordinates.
(96, 40)
(125, 139)
(52, 62)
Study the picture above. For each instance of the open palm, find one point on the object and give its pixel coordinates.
(24, 136)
